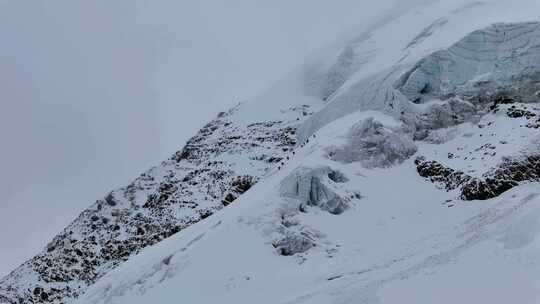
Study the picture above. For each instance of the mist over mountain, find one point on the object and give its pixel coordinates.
(398, 162)
(93, 93)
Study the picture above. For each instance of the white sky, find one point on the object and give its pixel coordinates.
(92, 93)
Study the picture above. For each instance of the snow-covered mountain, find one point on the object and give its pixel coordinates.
(401, 168)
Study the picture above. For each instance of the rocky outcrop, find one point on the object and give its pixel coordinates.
(509, 174)
(444, 177)
(223, 161)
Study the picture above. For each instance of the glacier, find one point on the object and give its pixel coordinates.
(404, 170)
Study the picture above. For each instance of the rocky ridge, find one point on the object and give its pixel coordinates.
(216, 166)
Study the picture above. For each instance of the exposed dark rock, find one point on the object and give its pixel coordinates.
(517, 113)
(44, 296)
(242, 184)
(509, 174)
(444, 177)
(337, 177)
(229, 198)
(502, 98)
(205, 213)
(478, 189)
(109, 199)
(140, 231)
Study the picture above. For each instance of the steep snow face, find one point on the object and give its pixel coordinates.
(398, 234)
(373, 201)
(497, 57)
(416, 58)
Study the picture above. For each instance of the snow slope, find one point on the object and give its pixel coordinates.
(401, 168)
(400, 239)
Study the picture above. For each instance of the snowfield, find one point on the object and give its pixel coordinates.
(401, 239)
(403, 168)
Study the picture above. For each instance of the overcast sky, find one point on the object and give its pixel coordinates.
(94, 92)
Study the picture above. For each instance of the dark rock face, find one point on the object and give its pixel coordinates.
(337, 177)
(242, 184)
(229, 198)
(517, 113)
(509, 174)
(196, 182)
(478, 189)
(444, 177)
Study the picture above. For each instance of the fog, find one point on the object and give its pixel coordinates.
(92, 93)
